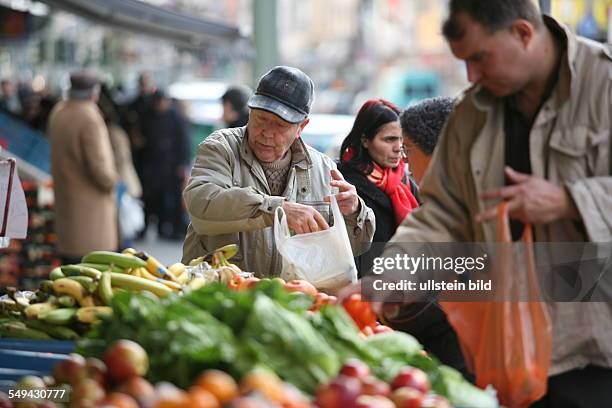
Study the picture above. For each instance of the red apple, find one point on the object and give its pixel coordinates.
(86, 393)
(96, 370)
(355, 368)
(411, 377)
(435, 401)
(138, 388)
(298, 285)
(370, 401)
(125, 359)
(374, 386)
(407, 397)
(339, 393)
(70, 370)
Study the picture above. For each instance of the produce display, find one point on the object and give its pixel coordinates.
(209, 335)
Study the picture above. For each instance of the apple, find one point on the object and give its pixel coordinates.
(355, 368)
(411, 377)
(117, 399)
(96, 370)
(339, 393)
(125, 359)
(4, 401)
(86, 393)
(249, 283)
(435, 401)
(299, 285)
(370, 401)
(137, 388)
(70, 370)
(374, 386)
(407, 397)
(263, 381)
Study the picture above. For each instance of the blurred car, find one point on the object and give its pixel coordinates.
(325, 132)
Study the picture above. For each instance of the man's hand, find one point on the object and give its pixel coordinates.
(303, 219)
(347, 198)
(531, 200)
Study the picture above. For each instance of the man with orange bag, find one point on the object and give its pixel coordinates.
(535, 131)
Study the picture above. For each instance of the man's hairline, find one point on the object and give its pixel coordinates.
(278, 116)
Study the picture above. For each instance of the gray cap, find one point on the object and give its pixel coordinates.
(83, 81)
(286, 92)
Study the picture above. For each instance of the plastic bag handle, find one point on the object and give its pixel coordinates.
(504, 233)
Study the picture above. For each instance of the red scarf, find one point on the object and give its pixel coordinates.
(389, 180)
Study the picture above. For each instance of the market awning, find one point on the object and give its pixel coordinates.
(148, 19)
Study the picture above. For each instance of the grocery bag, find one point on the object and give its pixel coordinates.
(131, 215)
(323, 258)
(508, 343)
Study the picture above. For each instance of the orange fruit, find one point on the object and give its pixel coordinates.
(219, 384)
(200, 398)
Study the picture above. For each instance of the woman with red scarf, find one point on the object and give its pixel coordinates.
(371, 159)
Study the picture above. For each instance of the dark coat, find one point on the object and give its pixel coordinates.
(380, 203)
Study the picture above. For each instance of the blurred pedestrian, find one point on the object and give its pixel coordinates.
(9, 101)
(421, 126)
(166, 161)
(371, 159)
(134, 117)
(235, 109)
(83, 170)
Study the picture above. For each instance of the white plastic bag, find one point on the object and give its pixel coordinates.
(323, 258)
(131, 216)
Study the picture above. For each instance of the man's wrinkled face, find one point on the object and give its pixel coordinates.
(269, 136)
(496, 61)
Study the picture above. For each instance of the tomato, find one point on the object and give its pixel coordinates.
(360, 311)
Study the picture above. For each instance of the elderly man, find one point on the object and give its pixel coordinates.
(84, 175)
(242, 175)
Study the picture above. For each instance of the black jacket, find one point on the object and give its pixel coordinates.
(380, 203)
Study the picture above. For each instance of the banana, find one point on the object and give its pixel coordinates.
(87, 301)
(18, 330)
(59, 316)
(79, 270)
(129, 251)
(177, 269)
(58, 332)
(105, 290)
(114, 258)
(197, 283)
(66, 301)
(228, 251)
(124, 281)
(56, 273)
(91, 314)
(183, 278)
(86, 282)
(102, 267)
(156, 268)
(38, 309)
(46, 286)
(65, 286)
(136, 272)
(172, 285)
(143, 273)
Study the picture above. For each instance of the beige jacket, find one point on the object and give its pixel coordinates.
(229, 201)
(570, 146)
(84, 178)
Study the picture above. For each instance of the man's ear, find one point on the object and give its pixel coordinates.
(524, 31)
(302, 125)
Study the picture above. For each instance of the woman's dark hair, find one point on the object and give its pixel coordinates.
(374, 114)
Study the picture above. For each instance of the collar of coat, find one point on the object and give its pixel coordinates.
(299, 153)
(485, 101)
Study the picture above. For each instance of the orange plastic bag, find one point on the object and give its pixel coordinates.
(507, 343)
